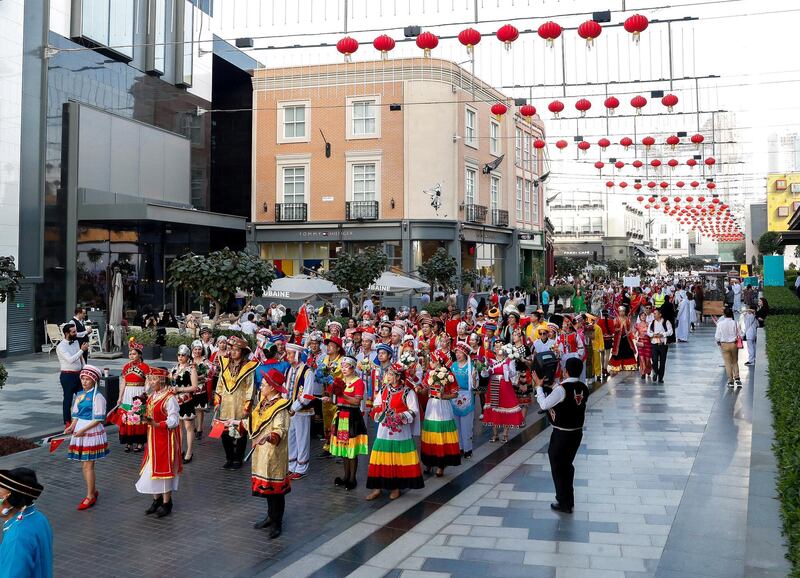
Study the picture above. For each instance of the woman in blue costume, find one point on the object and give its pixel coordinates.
(27, 547)
(463, 403)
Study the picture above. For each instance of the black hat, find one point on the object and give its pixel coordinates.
(557, 319)
(21, 481)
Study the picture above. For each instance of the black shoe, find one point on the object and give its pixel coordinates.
(154, 506)
(128, 449)
(275, 531)
(236, 466)
(468, 455)
(350, 485)
(338, 482)
(198, 434)
(227, 465)
(559, 508)
(164, 510)
(187, 461)
(661, 380)
(265, 523)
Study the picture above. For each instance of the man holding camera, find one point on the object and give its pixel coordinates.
(566, 409)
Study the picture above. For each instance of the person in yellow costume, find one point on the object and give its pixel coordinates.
(598, 346)
(232, 398)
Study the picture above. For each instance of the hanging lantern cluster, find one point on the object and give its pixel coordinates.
(712, 220)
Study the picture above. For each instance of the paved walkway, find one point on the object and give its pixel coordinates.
(663, 479)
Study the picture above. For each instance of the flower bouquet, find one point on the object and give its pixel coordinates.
(511, 352)
(324, 376)
(135, 415)
(365, 365)
(335, 389)
(407, 359)
(439, 381)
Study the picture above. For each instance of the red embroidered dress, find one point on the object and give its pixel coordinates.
(133, 377)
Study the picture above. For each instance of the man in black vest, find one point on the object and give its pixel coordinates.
(566, 408)
(82, 328)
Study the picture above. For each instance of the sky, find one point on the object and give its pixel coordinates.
(749, 47)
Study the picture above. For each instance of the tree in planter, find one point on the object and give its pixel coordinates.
(671, 263)
(470, 278)
(355, 272)
(616, 267)
(562, 293)
(740, 254)
(567, 265)
(768, 244)
(642, 265)
(218, 275)
(440, 269)
(10, 278)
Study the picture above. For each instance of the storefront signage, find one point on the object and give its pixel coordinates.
(327, 199)
(316, 234)
(278, 294)
(379, 288)
(576, 253)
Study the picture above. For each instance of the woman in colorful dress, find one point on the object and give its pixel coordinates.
(268, 427)
(643, 346)
(132, 383)
(89, 442)
(522, 388)
(394, 462)
(623, 354)
(480, 356)
(202, 398)
(162, 462)
(185, 387)
(502, 409)
(439, 447)
(464, 403)
(348, 430)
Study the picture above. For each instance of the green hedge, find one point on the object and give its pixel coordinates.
(435, 308)
(783, 350)
(782, 301)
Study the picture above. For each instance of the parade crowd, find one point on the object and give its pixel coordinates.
(401, 387)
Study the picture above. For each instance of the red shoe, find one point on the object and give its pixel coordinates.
(87, 503)
(297, 476)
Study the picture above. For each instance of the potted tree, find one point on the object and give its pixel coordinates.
(146, 337)
(171, 344)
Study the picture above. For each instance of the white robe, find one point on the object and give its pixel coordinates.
(737, 297)
(684, 319)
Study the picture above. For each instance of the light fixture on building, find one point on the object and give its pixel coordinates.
(391, 202)
(244, 43)
(266, 207)
(394, 107)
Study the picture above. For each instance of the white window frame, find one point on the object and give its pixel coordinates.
(526, 151)
(519, 186)
(285, 161)
(353, 158)
(495, 137)
(476, 185)
(350, 103)
(534, 204)
(527, 201)
(471, 140)
(494, 192)
(664, 243)
(677, 243)
(281, 131)
(518, 147)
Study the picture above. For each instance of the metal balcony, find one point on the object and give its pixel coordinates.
(499, 218)
(361, 211)
(291, 213)
(475, 213)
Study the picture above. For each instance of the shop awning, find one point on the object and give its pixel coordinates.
(301, 287)
(147, 210)
(646, 251)
(394, 283)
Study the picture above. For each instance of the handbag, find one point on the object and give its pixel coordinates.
(739, 341)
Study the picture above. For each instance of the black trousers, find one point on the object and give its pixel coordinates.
(234, 448)
(563, 447)
(659, 359)
(70, 384)
(276, 504)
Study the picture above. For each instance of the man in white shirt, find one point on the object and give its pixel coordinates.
(249, 327)
(70, 359)
(658, 331)
(368, 306)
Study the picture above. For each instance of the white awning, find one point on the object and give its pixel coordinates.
(394, 283)
(301, 287)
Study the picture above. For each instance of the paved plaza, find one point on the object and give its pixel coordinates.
(672, 480)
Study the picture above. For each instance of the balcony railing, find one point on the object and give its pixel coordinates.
(361, 211)
(474, 213)
(291, 212)
(499, 218)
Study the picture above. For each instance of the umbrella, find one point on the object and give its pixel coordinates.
(394, 283)
(301, 287)
(115, 311)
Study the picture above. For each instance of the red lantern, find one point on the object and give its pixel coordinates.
(549, 31)
(499, 109)
(680, 185)
(710, 161)
(672, 163)
(589, 30)
(636, 24)
(347, 46)
(599, 165)
(507, 34)
(655, 163)
(384, 44)
(637, 186)
(651, 185)
(427, 41)
(527, 110)
(713, 186)
(611, 104)
(469, 38)
(669, 100)
(664, 185)
(626, 142)
(673, 141)
(657, 206)
(638, 102)
(700, 199)
(651, 200)
(584, 146)
(640, 198)
(698, 139)
(610, 184)
(623, 185)
(555, 107)
(689, 199)
(647, 206)
(619, 164)
(677, 199)
(691, 163)
(604, 143)
(637, 164)
(648, 141)
(582, 106)
(694, 185)
(561, 144)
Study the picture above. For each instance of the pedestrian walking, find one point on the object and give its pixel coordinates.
(748, 325)
(644, 349)
(70, 359)
(728, 339)
(566, 409)
(659, 331)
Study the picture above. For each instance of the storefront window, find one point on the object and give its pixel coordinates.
(424, 250)
(487, 259)
(100, 253)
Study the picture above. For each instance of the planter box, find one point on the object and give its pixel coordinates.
(169, 354)
(151, 352)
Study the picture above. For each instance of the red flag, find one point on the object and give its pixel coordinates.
(55, 443)
(301, 323)
(217, 429)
